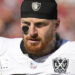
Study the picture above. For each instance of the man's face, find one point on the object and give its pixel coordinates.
(39, 35)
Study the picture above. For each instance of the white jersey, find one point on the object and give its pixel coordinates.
(13, 61)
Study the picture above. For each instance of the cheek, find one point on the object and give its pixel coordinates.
(46, 33)
(49, 34)
(24, 37)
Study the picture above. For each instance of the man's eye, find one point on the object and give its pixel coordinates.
(40, 24)
(25, 29)
(26, 23)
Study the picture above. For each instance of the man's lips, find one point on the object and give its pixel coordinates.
(34, 40)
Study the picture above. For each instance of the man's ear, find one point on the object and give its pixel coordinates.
(57, 23)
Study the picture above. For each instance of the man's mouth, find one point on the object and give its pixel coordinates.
(34, 40)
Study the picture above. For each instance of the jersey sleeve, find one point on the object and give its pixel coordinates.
(1, 51)
(0, 67)
(2, 41)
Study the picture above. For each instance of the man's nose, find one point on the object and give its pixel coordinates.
(33, 31)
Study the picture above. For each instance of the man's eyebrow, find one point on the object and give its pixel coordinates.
(41, 23)
(25, 22)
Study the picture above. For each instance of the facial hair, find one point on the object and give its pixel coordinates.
(37, 49)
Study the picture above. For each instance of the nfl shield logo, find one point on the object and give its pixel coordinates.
(36, 6)
(60, 65)
(33, 65)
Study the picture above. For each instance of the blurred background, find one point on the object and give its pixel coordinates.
(10, 18)
(66, 14)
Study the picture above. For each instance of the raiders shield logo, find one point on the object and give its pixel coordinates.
(60, 65)
(36, 6)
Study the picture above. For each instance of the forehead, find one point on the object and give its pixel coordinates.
(35, 20)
